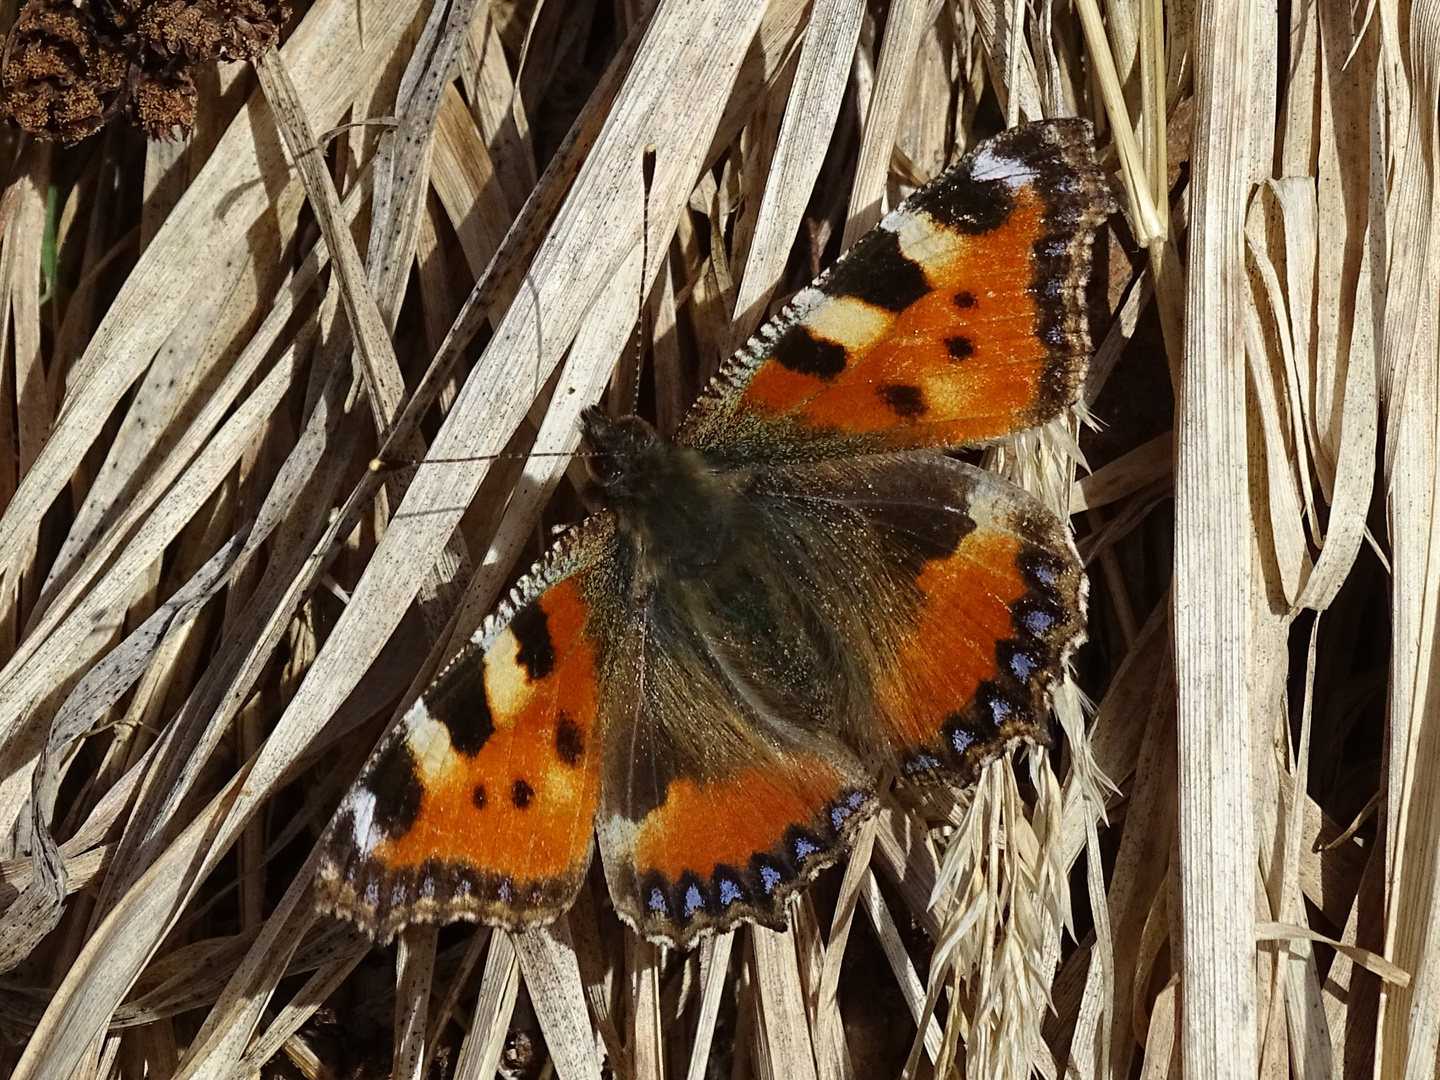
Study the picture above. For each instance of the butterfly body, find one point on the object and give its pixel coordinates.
(800, 595)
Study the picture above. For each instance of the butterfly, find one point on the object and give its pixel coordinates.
(803, 594)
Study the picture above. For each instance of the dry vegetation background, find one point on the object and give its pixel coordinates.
(416, 230)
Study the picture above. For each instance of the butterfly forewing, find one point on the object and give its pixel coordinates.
(961, 318)
(480, 804)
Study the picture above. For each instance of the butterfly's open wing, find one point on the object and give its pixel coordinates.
(974, 593)
(960, 319)
(480, 804)
(725, 790)
(906, 606)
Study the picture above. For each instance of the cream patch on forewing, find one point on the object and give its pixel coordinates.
(947, 391)
(849, 322)
(924, 241)
(507, 684)
(561, 786)
(429, 742)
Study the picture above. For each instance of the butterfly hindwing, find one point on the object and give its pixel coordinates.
(902, 609)
(726, 787)
(973, 593)
(480, 804)
(960, 319)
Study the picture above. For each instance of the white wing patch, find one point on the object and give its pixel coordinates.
(362, 816)
(988, 165)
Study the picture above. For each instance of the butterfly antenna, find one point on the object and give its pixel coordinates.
(647, 173)
(626, 386)
(386, 465)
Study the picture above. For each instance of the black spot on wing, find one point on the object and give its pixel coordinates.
(965, 299)
(880, 274)
(569, 743)
(959, 347)
(906, 402)
(799, 351)
(478, 797)
(532, 631)
(457, 699)
(395, 783)
(521, 794)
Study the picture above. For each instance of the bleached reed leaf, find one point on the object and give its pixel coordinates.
(464, 178)
(20, 283)
(1354, 475)
(1286, 526)
(1122, 719)
(718, 948)
(547, 959)
(75, 643)
(922, 1008)
(903, 29)
(1162, 1043)
(805, 134)
(1127, 474)
(1410, 399)
(782, 999)
(1142, 864)
(310, 997)
(499, 988)
(112, 958)
(38, 908)
(605, 332)
(1011, 69)
(218, 1048)
(414, 969)
(832, 1058)
(1278, 931)
(1212, 583)
(384, 384)
(646, 1050)
(1149, 226)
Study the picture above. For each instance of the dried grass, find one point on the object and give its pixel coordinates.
(418, 234)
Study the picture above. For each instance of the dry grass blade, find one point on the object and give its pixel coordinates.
(805, 133)
(215, 213)
(1212, 571)
(882, 117)
(547, 960)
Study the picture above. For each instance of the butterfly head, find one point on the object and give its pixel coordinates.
(668, 499)
(620, 448)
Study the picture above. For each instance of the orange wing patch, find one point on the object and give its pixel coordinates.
(718, 851)
(1000, 614)
(958, 366)
(960, 319)
(481, 804)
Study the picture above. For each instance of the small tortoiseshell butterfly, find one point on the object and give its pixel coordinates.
(801, 594)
